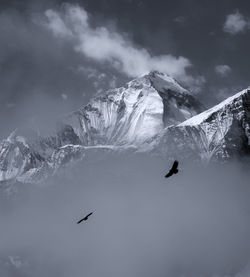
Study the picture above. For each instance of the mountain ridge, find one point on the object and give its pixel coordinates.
(152, 114)
(150, 102)
(219, 133)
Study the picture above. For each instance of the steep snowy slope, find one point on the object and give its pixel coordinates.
(152, 113)
(220, 133)
(120, 118)
(135, 112)
(21, 162)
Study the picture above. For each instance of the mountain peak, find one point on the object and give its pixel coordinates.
(230, 101)
(220, 133)
(152, 112)
(160, 81)
(135, 112)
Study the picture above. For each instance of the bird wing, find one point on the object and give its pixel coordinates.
(175, 165)
(85, 218)
(80, 221)
(170, 173)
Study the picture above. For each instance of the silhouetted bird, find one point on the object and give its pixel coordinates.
(85, 218)
(173, 170)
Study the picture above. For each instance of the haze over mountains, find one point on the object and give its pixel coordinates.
(153, 114)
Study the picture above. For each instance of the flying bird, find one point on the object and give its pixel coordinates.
(85, 218)
(173, 170)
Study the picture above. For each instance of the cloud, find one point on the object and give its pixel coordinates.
(64, 96)
(223, 93)
(105, 46)
(180, 19)
(223, 70)
(236, 23)
(10, 105)
(92, 73)
(36, 65)
(100, 80)
(195, 225)
(113, 82)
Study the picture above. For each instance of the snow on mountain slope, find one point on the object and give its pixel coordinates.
(135, 112)
(115, 121)
(219, 133)
(16, 157)
(153, 113)
(20, 162)
(231, 103)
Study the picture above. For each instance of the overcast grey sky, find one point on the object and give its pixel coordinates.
(54, 55)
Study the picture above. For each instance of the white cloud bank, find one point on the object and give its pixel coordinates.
(236, 23)
(102, 45)
(223, 70)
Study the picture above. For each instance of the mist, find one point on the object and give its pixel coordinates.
(193, 224)
(41, 74)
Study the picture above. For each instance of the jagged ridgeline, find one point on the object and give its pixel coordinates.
(151, 114)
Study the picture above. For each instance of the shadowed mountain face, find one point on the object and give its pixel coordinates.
(153, 113)
(220, 133)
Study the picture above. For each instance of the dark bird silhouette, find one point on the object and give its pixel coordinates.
(85, 218)
(173, 170)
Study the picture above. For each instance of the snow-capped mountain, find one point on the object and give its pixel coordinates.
(134, 113)
(153, 113)
(219, 133)
(20, 161)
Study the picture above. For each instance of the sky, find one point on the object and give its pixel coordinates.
(55, 55)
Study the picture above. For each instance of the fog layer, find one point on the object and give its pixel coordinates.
(193, 224)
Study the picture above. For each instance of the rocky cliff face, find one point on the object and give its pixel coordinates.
(20, 161)
(153, 113)
(219, 133)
